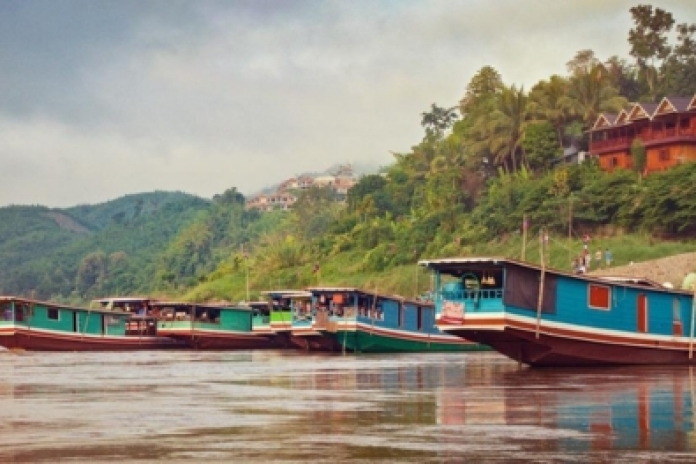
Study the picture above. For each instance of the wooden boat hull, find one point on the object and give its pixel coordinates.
(42, 340)
(222, 340)
(314, 341)
(558, 348)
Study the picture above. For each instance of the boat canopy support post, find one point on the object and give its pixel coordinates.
(691, 335)
(542, 275)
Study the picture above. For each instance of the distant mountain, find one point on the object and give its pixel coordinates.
(125, 209)
(43, 249)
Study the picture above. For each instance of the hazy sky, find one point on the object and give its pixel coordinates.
(101, 98)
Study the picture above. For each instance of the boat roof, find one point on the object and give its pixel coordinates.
(287, 293)
(122, 299)
(189, 304)
(368, 292)
(632, 280)
(465, 260)
(484, 263)
(58, 305)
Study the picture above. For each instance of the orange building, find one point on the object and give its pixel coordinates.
(666, 129)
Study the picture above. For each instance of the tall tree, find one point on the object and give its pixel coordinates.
(485, 84)
(549, 101)
(679, 70)
(591, 93)
(648, 40)
(507, 127)
(624, 77)
(438, 120)
(582, 62)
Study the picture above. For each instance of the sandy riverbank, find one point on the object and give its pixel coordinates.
(671, 269)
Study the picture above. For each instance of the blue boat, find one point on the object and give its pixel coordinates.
(363, 321)
(547, 317)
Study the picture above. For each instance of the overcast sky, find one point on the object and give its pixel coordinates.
(104, 98)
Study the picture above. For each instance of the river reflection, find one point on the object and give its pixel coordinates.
(297, 407)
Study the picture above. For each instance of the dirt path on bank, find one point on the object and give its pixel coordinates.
(671, 269)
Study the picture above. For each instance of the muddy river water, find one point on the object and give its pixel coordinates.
(287, 406)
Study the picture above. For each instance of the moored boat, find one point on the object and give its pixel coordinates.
(364, 321)
(209, 326)
(37, 325)
(292, 314)
(547, 317)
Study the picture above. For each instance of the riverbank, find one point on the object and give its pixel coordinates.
(670, 269)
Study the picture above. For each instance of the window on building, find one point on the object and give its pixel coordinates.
(53, 314)
(614, 162)
(664, 155)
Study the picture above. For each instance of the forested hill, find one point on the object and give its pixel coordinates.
(43, 250)
(125, 209)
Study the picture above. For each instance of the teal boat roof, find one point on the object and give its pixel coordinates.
(51, 304)
(189, 304)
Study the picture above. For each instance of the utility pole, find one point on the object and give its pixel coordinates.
(525, 226)
(570, 228)
(246, 269)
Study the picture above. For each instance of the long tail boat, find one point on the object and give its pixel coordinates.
(364, 321)
(546, 317)
(210, 326)
(43, 326)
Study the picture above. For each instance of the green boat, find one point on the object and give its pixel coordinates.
(362, 321)
(209, 326)
(44, 326)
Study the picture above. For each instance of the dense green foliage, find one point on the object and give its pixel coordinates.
(89, 251)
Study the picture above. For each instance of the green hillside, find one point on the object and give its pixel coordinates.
(125, 209)
(62, 254)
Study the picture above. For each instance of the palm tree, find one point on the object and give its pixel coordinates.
(549, 101)
(507, 126)
(591, 93)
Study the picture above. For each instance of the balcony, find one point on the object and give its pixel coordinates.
(482, 300)
(649, 138)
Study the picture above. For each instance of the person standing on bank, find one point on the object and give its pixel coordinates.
(607, 257)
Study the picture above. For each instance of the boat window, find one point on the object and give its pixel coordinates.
(599, 296)
(400, 315)
(6, 311)
(522, 288)
(676, 310)
(420, 317)
(53, 314)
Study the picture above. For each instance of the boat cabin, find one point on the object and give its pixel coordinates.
(344, 304)
(289, 308)
(176, 314)
(39, 315)
(141, 321)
